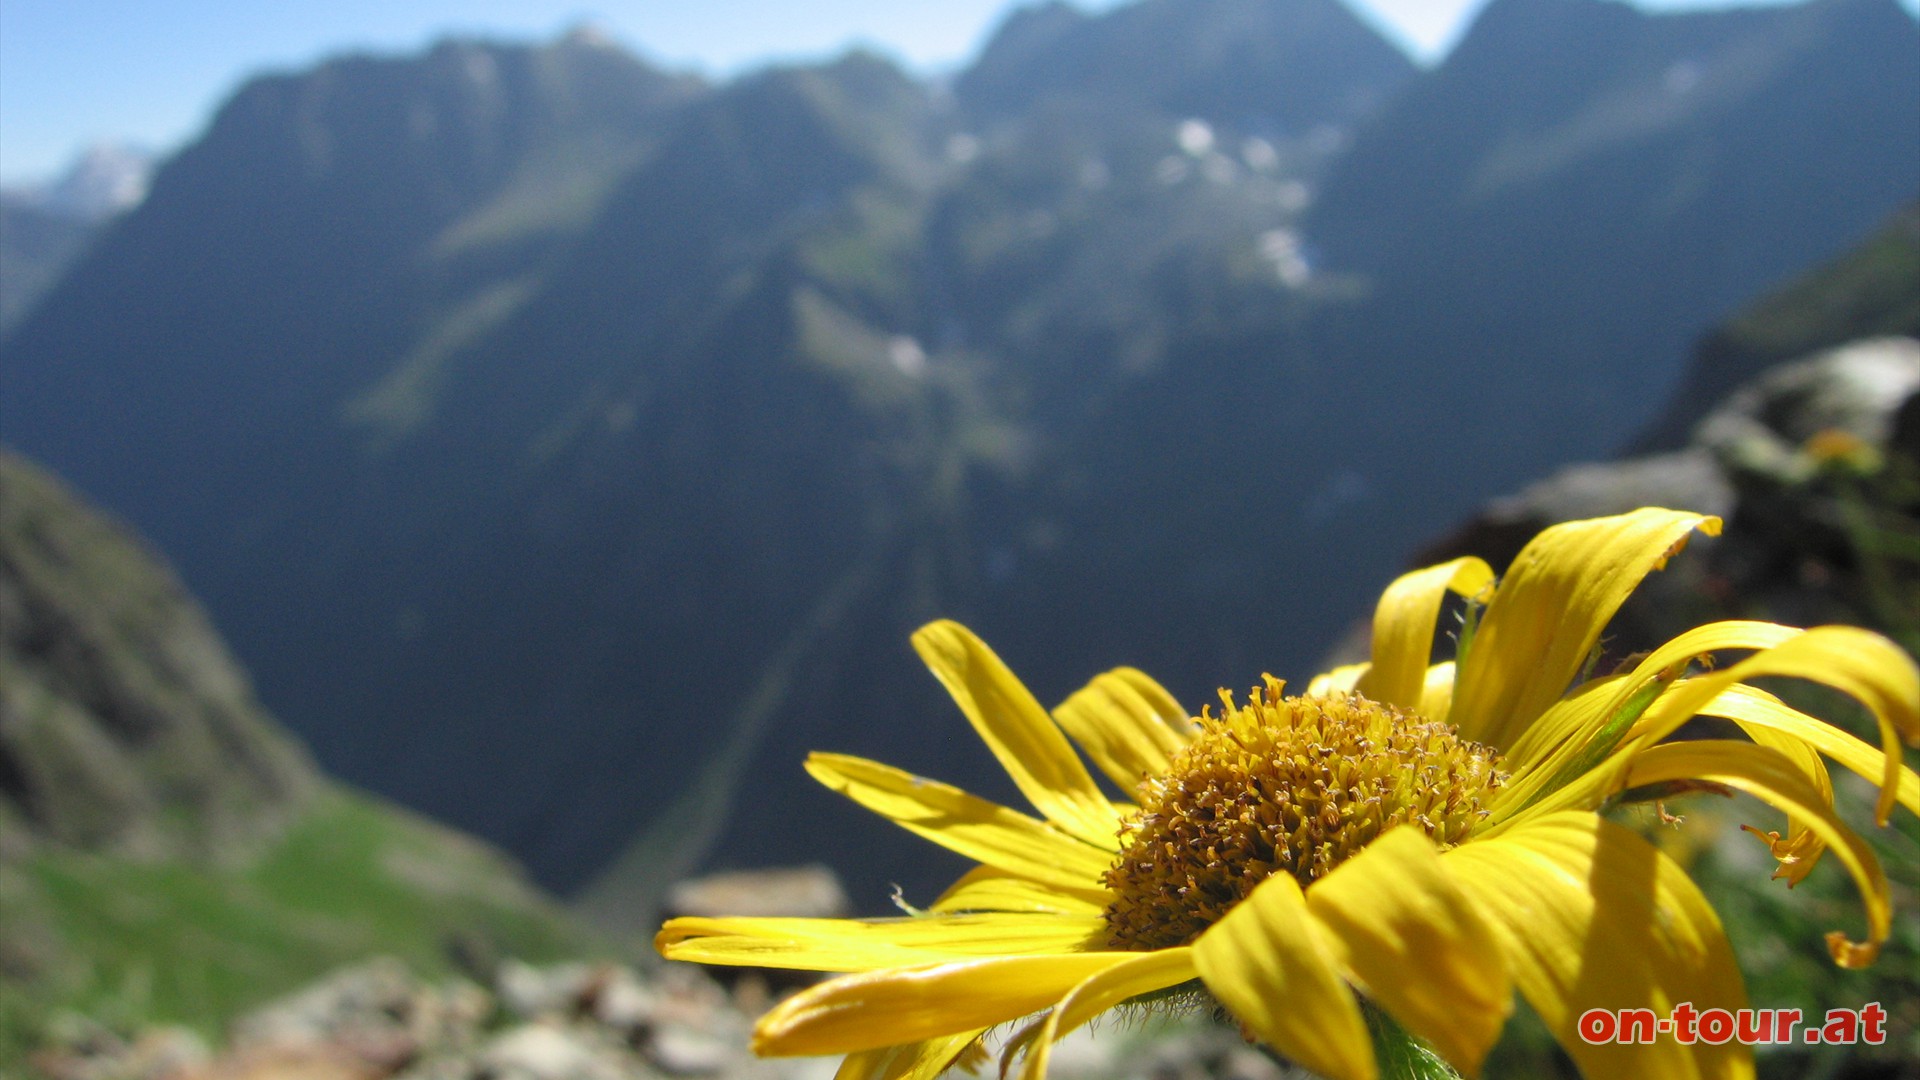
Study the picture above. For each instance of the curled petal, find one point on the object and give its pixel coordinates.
(1403, 625)
(1860, 663)
(1772, 777)
(1754, 709)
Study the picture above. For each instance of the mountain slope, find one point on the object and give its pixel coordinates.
(1676, 164)
(604, 491)
(159, 830)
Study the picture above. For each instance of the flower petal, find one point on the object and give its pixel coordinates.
(1413, 941)
(1436, 692)
(1403, 624)
(1771, 777)
(1586, 708)
(871, 944)
(984, 888)
(1753, 708)
(902, 1005)
(1565, 746)
(983, 831)
(922, 1060)
(1018, 731)
(1860, 663)
(1548, 612)
(1800, 851)
(1340, 680)
(1591, 916)
(1271, 963)
(1143, 973)
(1127, 732)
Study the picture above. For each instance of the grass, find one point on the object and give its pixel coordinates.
(185, 942)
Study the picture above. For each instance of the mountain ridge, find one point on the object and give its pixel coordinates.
(597, 497)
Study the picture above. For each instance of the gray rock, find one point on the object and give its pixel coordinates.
(1855, 389)
(801, 892)
(548, 1051)
(530, 992)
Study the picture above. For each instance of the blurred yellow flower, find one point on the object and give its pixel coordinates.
(1421, 837)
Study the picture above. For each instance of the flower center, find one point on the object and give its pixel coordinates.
(1291, 785)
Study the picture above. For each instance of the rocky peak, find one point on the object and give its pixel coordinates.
(125, 724)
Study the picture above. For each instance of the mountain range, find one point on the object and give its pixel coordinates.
(568, 445)
(44, 228)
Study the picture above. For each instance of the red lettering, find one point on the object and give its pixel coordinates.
(1598, 1026)
(1754, 1025)
(1784, 1021)
(1874, 1019)
(1683, 1020)
(1716, 1026)
(1842, 1026)
(1638, 1025)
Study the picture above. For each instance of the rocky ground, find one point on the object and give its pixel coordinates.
(579, 1021)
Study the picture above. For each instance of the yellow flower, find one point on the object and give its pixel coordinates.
(1421, 837)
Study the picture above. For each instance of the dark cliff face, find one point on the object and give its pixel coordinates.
(594, 439)
(1869, 291)
(125, 725)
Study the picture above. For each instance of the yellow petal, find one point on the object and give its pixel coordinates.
(1123, 727)
(1752, 708)
(985, 889)
(1591, 916)
(1165, 705)
(1403, 624)
(1576, 735)
(922, 1060)
(1436, 693)
(871, 944)
(983, 831)
(1019, 732)
(1771, 777)
(1800, 851)
(1338, 681)
(1860, 663)
(1143, 973)
(1271, 963)
(903, 1005)
(1566, 747)
(1413, 941)
(1548, 612)
(1583, 710)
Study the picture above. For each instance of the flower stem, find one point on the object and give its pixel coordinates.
(1401, 1055)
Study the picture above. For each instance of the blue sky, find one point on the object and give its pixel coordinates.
(74, 72)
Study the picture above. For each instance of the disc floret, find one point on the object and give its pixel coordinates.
(1291, 785)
